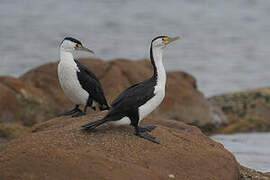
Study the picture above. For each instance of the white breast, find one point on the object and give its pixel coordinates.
(67, 74)
(152, 104)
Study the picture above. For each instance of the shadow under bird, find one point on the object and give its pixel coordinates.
(139, 100)
(79, 83)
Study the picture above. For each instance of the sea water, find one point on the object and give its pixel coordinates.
(250, 149)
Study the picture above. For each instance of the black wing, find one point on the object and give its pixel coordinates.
(87, 71)
(132, 98)
(124, 94)
(91, 84)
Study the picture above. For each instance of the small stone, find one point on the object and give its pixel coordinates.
(171, 176)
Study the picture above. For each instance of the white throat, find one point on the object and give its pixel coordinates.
(65, 55)
(161, 73)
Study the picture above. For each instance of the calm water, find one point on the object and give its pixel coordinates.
(251, 150)
(226, 43)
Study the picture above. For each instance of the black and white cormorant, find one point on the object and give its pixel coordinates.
(79, 84)
(139, 100)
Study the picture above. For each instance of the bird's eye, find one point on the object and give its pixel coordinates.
(165, 39)
(78, 45)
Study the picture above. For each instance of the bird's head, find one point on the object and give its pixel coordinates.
(163, 41)
(70, 44)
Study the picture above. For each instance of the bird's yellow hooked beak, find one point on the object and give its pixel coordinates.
(169, 40)
(81, 48)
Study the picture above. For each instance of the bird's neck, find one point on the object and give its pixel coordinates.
(159, 71)
(65, 56)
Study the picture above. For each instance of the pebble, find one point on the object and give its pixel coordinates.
(171, 176)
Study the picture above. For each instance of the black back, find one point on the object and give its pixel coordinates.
(91, 84)
(128, 102)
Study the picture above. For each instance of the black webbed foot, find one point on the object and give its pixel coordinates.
(73, 111)
(94, 108)
(142, 133)
(147, 136)
(146, 128)
(79, 114)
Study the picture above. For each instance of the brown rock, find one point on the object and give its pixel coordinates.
(39, 97)
(58, 149)
(251, 174)
(10, 131)
(8, 104)
(246, 111)
(22, 103)
(185, 103)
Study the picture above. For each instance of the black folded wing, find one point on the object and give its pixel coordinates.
(91, 84)
(132, 98)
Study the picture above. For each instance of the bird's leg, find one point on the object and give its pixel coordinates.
(73, 111)
(82, 113)
(144, 134)
(90, 102)
(104, 107)
(94, 108)
(139, 131)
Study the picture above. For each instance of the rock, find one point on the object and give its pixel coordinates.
(250, 174)
(10, 131)
(246, 111)
(36, 96)
(22, 103)
(58, 149)
(185, 103)
(171, 176)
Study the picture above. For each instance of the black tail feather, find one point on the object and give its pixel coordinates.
(93, 125)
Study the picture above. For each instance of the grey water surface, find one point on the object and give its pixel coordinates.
(225, 44)
(250, 149)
